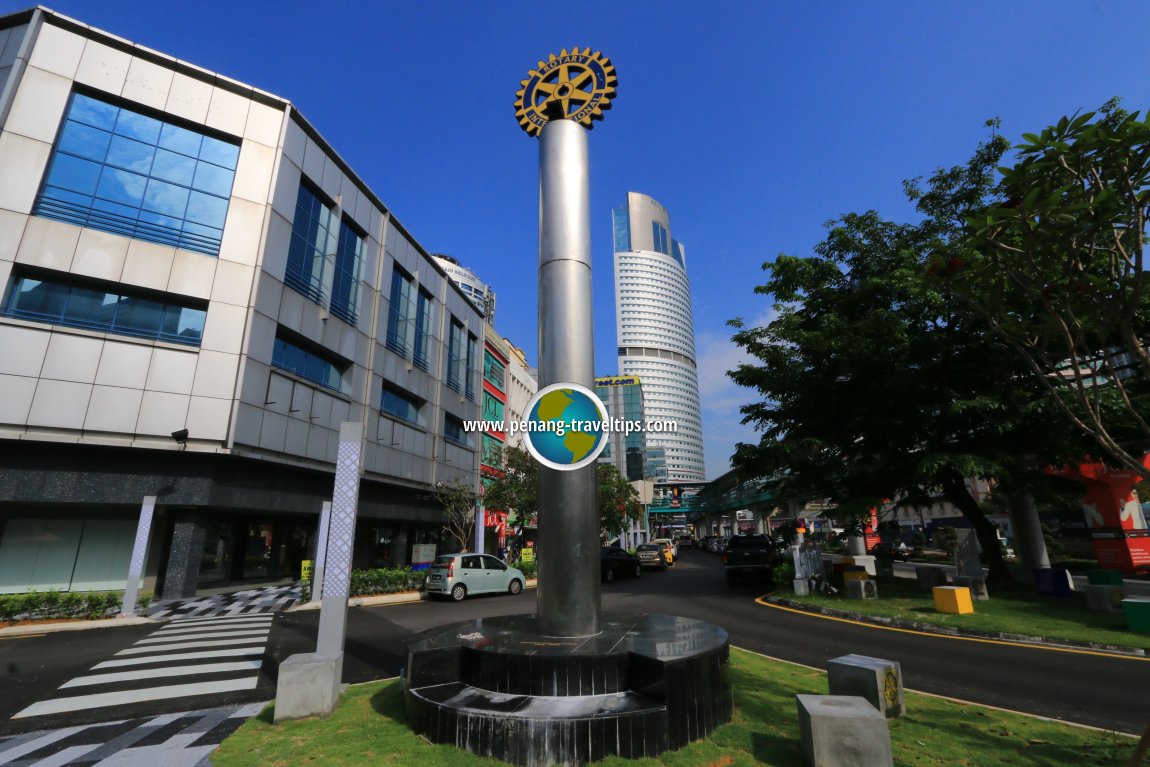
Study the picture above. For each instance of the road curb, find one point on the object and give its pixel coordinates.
(52, 628)
(400, 598)
(930, 628)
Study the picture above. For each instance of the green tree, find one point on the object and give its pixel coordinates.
(517, 493)
(1061, 274)
(458, 500)
(618, 501)
(874, 384)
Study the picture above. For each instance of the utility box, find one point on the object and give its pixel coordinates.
(861, 588)
(1137, 611)
(953, 599)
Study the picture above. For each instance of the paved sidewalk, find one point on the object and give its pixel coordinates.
(171, 740)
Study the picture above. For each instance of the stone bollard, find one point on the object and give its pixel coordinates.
(1104, 598)
(877, 680)
(843, 731)
(929, 577)
(861, 588)
(802, 586)
(1137, 611)
(977, 585)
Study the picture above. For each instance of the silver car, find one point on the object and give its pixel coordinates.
(457, 575)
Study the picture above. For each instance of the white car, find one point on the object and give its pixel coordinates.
(459, 575)
(674, 545)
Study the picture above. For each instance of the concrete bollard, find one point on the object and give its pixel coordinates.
(1137, 611)
(953, 599)
(843, 731)
(802, 586)
(929, 577)
(1104, 598)
(877, 680)
(309, 685)
(861, 588)
(977, 585)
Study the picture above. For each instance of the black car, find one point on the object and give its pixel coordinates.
(615, 562)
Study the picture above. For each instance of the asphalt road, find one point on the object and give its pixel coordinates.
(1093, 689)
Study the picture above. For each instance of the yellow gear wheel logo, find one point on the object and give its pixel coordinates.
(574, 86)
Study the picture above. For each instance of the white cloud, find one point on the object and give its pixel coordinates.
(721, 397)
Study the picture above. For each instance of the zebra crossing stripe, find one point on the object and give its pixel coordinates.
(159, 639)
(179, 629)
(222, 619)
(172, 658)
(103, 699)
(163, 671)
(188, 645)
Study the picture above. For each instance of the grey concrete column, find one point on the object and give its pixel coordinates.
(568, 590)
(1029, 543)
(139, 556)
(183, 571)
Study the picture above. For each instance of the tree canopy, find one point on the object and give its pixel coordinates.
(875, 383)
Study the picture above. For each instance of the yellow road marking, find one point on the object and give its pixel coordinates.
(1142, 658)
(23, 636)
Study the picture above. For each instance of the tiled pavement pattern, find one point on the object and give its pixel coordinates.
(260, 600)
(171, 740)
(198, 656)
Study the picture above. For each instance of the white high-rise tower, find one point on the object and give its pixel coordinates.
(656, 332)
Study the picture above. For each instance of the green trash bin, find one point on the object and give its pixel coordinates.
(1104, 578)
(1137, 611)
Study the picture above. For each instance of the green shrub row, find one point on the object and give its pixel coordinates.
(381, 580)
(58, 605)
(530, 569)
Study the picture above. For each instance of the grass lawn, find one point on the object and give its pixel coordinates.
(369, 727)
(1016, 610)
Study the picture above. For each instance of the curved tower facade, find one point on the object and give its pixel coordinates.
(656, 332)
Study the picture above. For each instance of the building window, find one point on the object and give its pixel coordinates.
(454, 431)
(312, 363)
(659, 236)
(677, 253)
(456, 356)
(423, 323)
(472, 363)
(493, 370)
(492, 408)
(348, 266)
(62, 301)
(401, 314)
(313, 236)
(125, 172)
(621, 220)
(402, 405)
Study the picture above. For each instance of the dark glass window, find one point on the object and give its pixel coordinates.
(401, 313)
(456, 356)
(472, 362)
(400, 404)
(121, 171)
(63, 302)
(311, 363)
(659, 236)
(348, 265)
(493, 370)
(313, 236)
(454, 431)
(423, 332)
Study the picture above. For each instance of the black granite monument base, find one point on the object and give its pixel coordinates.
(498, 687)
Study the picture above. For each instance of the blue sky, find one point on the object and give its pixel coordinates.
(753, 123)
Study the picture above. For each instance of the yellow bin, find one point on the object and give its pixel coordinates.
(953, 599)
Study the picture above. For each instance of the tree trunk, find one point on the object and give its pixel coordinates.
(956, 490)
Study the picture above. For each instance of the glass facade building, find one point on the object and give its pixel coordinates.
(656, 331)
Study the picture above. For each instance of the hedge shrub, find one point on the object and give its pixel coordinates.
(64, 605)
(382, 580)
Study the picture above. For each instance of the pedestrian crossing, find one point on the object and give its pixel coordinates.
(224, 654)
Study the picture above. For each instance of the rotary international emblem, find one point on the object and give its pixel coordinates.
(574, 86)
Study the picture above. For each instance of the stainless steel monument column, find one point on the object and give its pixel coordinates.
(569, 513)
